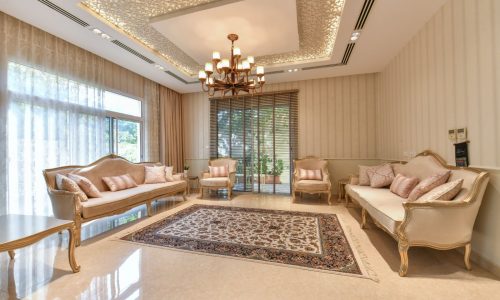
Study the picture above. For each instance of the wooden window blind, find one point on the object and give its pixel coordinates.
(261, 133)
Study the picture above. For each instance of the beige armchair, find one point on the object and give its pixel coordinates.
(311, 186)
(216, 183)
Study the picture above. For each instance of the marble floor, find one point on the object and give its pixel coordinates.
(113, 269)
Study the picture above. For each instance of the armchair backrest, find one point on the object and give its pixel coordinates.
(311, 163)
(219, 162)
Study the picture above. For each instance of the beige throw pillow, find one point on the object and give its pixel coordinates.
(118, 183)
(364, 179)
(428, 184)
(154, 174)
(221, 171)
(86, 185)
(169, 173)
(446, 191)
(310, 174)
(402, 185)
(66, 184)
(381, 176)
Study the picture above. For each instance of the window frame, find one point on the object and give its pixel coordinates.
(124, 117)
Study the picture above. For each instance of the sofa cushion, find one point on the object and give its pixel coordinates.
(311, 185)
(111, 201)
(402, 186)
(310, 174)
(381, 204)
(380, 176)
(86, 185)
(154, 174)
(215, 181)
(445, 191)
(428, 184)
(422, 167)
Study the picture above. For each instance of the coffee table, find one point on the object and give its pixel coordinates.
(18, 231)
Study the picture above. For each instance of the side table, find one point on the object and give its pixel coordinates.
(19, 231)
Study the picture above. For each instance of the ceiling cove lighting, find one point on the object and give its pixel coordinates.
(100, 33)
(355, 36)
(292, 70)
(232, 74)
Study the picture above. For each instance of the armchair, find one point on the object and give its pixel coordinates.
(216, 183)
(308, 186)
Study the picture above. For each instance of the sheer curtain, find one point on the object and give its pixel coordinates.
(52, 100)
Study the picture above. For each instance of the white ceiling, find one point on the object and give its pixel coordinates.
(261, 31)
(389, 27)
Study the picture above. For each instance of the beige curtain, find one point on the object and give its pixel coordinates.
(151, 121)
(171, 133)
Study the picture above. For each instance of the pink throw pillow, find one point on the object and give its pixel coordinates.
(310, 174)
(154, 174)
(364, 179)
(86, 185)
(221, 171)
(118, 183)
(428, 184)
(402, 185)
(446, 191)
(381, 176)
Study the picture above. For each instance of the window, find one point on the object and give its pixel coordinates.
(260, 132)
(123, 126)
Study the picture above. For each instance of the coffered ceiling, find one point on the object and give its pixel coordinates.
(168, 41)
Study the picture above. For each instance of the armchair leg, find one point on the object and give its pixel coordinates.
(201, 193)
(403, 252)
(329, 198)
(468, 250)
(363, 218)
(149, 208)
(184, 195)
(229, 192)
(78, 233)
(293, 196)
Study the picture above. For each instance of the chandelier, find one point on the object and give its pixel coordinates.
(231, 75)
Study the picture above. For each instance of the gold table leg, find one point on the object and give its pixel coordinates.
(71, 250)
(12, 254)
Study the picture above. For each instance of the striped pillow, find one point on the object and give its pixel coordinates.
(402, 185)
(310, 174)
(221, 171)
(118, 183)
(428, 184)
(86, 185)
(66, 184)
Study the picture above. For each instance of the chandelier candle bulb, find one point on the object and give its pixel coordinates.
(225, 63)
(251, 60)
(216, 55)
(209, 67)
(237, 52)
(260, 70)
(240, 66)
(245, 65)
(202, 75)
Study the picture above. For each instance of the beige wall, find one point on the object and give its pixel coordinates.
(336, 121)
(447, 77)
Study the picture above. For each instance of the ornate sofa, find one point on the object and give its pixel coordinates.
(323, 186)
(436, 224)
(67, 205)
(216, 183)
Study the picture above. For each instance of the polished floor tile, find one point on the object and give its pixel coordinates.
(115, 269)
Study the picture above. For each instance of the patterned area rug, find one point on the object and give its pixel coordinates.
(308, 240)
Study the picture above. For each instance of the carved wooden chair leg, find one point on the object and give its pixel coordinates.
(403, 252)
(78, 232)
(184, 195)
(468, 250)
(363, 218)
(329, 198)
(229, 191)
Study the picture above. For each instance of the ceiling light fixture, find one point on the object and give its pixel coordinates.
(159, 67)
(100, 33)
(355, 36)
(231, 75)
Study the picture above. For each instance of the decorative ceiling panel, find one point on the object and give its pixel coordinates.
(318, 23)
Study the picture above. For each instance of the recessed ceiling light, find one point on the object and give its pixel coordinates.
(355, 35)
(159, 67)
(96, 31)
(105, 36)
(295, 70)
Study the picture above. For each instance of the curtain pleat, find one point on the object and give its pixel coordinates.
(171, 133)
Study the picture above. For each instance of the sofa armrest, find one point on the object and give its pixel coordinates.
(204, 174)
(454, 219)
(65, 205)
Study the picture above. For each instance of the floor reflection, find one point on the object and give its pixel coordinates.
(46, 261)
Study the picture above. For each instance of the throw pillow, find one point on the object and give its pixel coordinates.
(118, 183)
(381, 176)
(402, 185)
(221, 171)
(364, 179)
(428, 184)
(154, 174)
(66, 184)
(86, 185)
(446, 191)
(310, 174)
(169, 173)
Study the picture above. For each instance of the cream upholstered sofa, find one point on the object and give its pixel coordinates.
(67, 205)
(323, 186)
(436, 224)
(216, 183)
